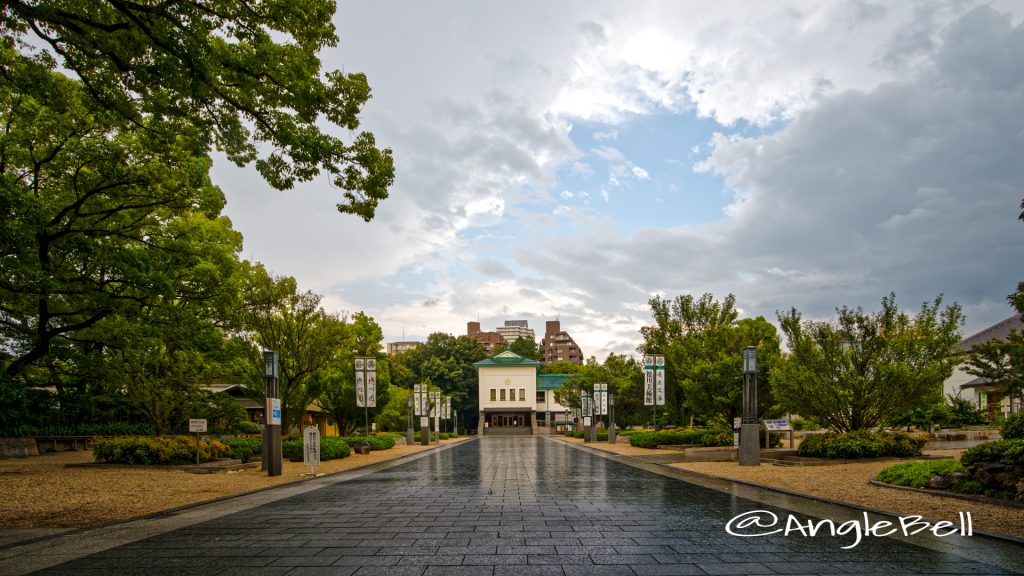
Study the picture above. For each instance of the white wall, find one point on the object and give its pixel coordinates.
(508, 378)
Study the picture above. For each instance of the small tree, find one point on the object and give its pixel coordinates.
(1001, 362)
(867, 369)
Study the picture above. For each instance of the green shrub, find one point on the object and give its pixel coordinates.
(331, 447)
(1013, 426)
(712, 437)
(1004, 451)
(174, 450)
(246, 427)
(574, 434)
(378, 442)
(102, 429)
(917, 474)
(861, 444)
(244, 448)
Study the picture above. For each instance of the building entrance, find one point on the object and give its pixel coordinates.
(507, 423)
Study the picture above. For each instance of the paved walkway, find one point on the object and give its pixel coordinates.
(517, 506)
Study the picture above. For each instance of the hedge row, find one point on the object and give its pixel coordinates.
(331, 447)
(174, 450)
(702, 437)
(861, 444)
(104, 429)
(245, 449)
(378, 442)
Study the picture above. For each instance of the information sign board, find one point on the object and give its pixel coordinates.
(424, 422)
(197, 425)
(586, 420)
(274, 411)
(311, 446)
(777, 425)
(417, 402)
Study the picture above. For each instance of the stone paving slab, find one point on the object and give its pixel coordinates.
(513, 506)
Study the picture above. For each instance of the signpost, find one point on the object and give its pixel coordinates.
(420, 394)
(777, 426)
(272, 460)
(366, 386)
(197, 425)
(311, 449)
(654, 383)
(749, 452)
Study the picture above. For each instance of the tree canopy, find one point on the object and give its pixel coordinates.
(247, 73)
(867, 369)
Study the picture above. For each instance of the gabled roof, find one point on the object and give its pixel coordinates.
(998, 331)
(506, 358)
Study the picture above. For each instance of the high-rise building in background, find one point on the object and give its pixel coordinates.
(516, 329)
(399, 347)
(558, 346)
(489, 340)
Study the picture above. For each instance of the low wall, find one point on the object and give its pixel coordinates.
(18, 447)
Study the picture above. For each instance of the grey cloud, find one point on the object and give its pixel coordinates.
(494, 269)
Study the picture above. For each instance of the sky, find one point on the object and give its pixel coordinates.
(571, 160)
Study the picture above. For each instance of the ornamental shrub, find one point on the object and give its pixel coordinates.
(712, 437)
(1004, 451)
(377, 442)
(1012, 427)
(246, 427)
(244, 448)
(917, 474)
(861, 444)
(172, 450)
(331, 448)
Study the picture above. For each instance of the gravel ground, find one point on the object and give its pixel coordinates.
(849, 483)
(42, 492)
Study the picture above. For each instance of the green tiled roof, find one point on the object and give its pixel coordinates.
(507, 358)
(551, 381)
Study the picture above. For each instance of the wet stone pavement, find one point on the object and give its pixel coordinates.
(505, 506)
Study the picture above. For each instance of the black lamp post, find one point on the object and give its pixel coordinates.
(750, 449)
(272, 458)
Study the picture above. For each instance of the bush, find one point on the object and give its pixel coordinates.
(175, 450)
(861, 444)
(574, 434)
(331, 448)
(1013, 426)
(102, 429)
(377, 442)
(246, 427)
(917, 474)
(712, 437)
(1004, 451)
(244, 448)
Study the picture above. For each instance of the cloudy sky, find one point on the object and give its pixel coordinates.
(572, 159)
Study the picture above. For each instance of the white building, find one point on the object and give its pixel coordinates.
(516, 329)
(512, 401)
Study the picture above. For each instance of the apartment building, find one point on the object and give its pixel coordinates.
(558, 346)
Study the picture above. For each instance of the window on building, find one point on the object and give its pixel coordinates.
(522, 394)
(502, 394)
(540, 396)
(494, 394)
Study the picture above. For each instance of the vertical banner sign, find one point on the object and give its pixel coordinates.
(360, 383)
(659, 380)
(371, 382)
(417, 402)
(648, 380)
(604, 399)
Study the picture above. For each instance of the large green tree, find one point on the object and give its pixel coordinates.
(446, 361)
(276, 316)
(101, 219)
(246, 72)
(867, 369)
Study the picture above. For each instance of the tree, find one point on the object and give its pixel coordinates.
(101, 219)
(446, 361)
(276, 316)
(334, 385)
(248, 73)
(526, 348)
(1001, 362)
(867, 369)
(703, 343)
